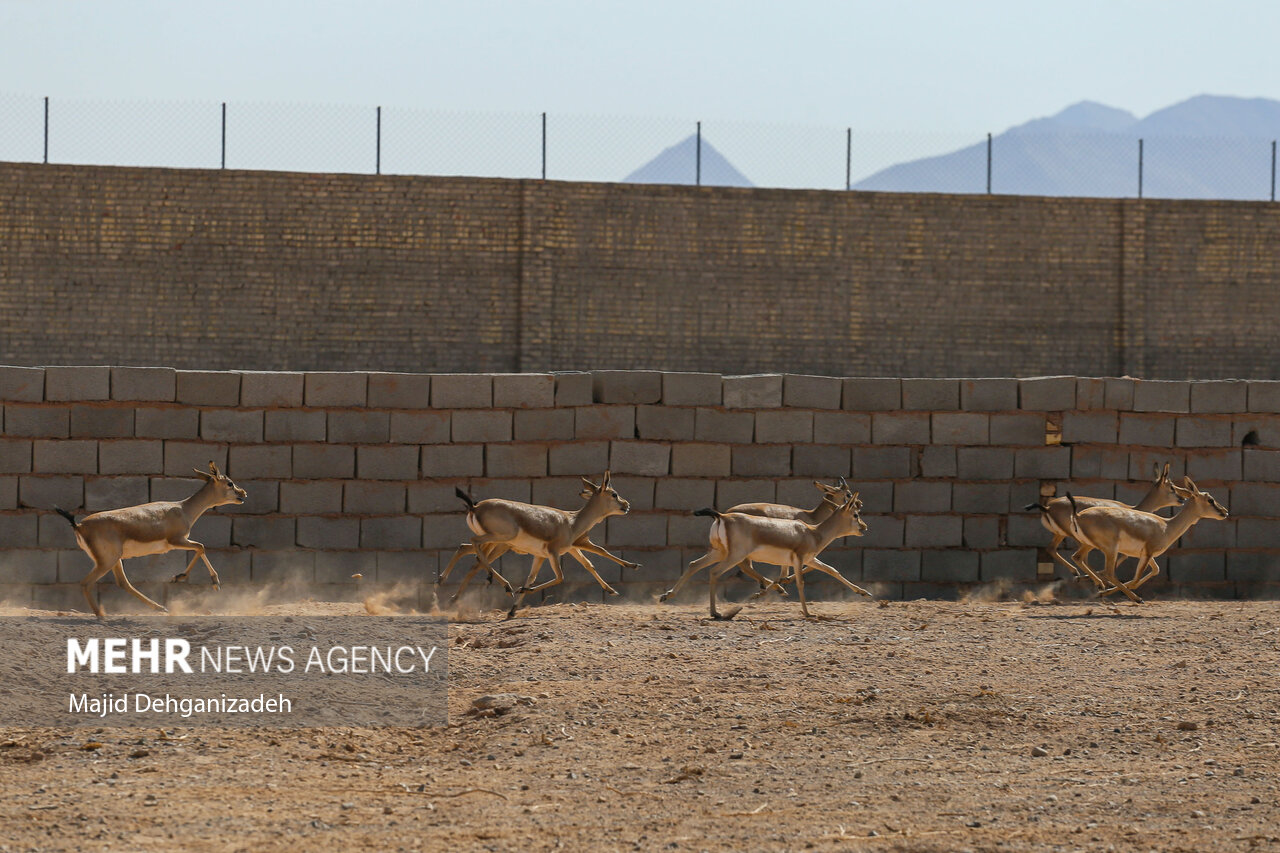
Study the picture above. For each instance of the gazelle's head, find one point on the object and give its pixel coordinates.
(604, 498)
(224, 491)
(850, 516)
(1169, 492)
(1202, 503)
(835, 495)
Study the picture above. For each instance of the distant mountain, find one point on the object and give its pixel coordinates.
(1206, 147)
(679, 165)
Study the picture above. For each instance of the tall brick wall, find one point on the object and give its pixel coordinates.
(354, 473)
(277, 271)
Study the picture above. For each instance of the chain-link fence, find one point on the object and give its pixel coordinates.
(311, 138)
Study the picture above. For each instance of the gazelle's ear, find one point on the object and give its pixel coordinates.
(205, 474)
(1165, 474)
(590, 485)
(213, 469)
(1186, 481)
(605, 482)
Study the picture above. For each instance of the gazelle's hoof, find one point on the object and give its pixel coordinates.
(511, 614)
(608, 590)
(630, 565)
(728, 614)
(179, 579)
(664, 597)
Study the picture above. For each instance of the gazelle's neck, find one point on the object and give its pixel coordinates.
(1151, 501)
(1186, 516)
(196, 505)
(828, 530)
(587, 517)
(820, 513)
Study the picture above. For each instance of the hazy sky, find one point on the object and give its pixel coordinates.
(952, 66)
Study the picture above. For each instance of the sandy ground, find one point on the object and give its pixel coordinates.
(972, 725)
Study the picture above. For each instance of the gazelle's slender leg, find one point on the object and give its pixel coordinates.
(188, 544)
(593, 548)
(100, 567)
(1153, 569)
(533, 573)
(1110, 574)
(701, 563)
(1079, 559)
(814, 562)
(122, 581)
(804, 606)
(577, 554)
(496, 551)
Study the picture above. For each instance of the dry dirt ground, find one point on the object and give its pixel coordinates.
(924, 725)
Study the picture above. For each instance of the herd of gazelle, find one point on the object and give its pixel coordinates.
(781, 535)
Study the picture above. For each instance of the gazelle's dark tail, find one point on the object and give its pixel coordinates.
(68, 516)
(1043, 507)
(466, 498)
(708, 510)
(1075, 510)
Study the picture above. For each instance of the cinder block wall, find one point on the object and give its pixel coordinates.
(354, 473)
(208, 269)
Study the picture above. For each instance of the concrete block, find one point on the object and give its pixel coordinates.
(54, 532)
(701, 460)
(841, 428)
(984, 463)
(733, 492)
(516, 460)
(207, 388)
(949, 566)
(685, 494)
(399, 391)
(393, 532)
(881, 463)
(650, 459)
(292, 566)
(393, 462)
(1118, 394)
(1042, 463)
(543, 425)
(22, 531)
(16, 456)
(47, 492)
(1091, 394)
(781, 426)
(8, 492)
(1105, 463)
(664, 423)
(1143, 462)
(1253, 568)
(263, 497)
(325, 534)
(1195, 568)
(476, 426)
(77, 383)
(37, 421)
(1151, 395)
(1260, 465)
(95, 422)
(960, 428)
(232, 425)
(883, 531)
(981, 498)
(638, 491)
(524, 390)
(635, 530)
(1254, 499)
(271, 389)
(337, 567)
(212, 530)
(139, 456)
(181, 456)
(560, 492)
(934, 531)
(760, 391)
(1089, 427)
(938, 461)
(688, 531)
(445, 531)
(871, 394)
(1256, 431)
(811, 392)
(982, 533)
(762, 460)
(1047, 393)
(821, 460)
(404, 567)
(1203, 432)
(626, 387)
(269, 462)
(431, 497)
(1255, 532)
(1148, 430)
(989, 395)
(359, 427)
(1215, 534)
(166, 423)
(144, 383)
(335, 389)
(324, 461)
(881, 566)
(692, 389)
(1018, 566)
(452, 460)
(727, 427)
(1228, 395)
(295, 426)
(574, 389)
(22, 384)
(900, 428)
(935, 395)
(578, 459)
(1025, 429)
(1264, 395)
(420, 427)
(922, 496)
(604, 422)
(318, 497)
(40, 568)
(174, 488)
(1027, 529)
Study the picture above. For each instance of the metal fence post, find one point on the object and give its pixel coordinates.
(377, 162)
(697, 169)
(46, 129)
(1139, 168)
(544, 146)
(224, 134)
(988, 164)
(848, 158)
